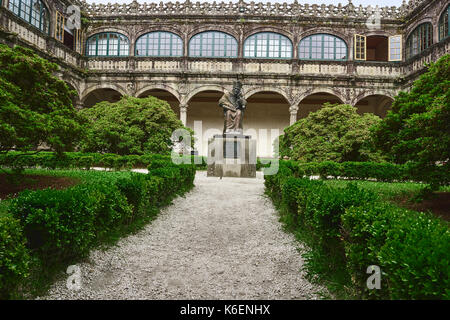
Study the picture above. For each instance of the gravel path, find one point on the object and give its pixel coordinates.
(221, 241)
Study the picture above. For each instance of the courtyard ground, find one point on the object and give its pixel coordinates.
(221, 241)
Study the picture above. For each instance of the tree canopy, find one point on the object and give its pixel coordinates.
(130, 126)
(35, 106)
(333, 133)
(417, 128)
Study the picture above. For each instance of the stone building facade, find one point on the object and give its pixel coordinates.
(290, 57)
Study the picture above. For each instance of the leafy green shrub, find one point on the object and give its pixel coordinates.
(333, 133)
(71, 160)
(411, 248)
(63, 225)
(130, 126)
(58, 224)
(14, 256)
(416, 129)
(349, 229)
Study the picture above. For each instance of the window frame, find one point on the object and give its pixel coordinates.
(441, 23)
(159, 32)
(267, 50)
(11, 4)
(415, 37)
(213, 32)
(400, 41)
(58, 30)
(322, 47)
(107, 44)
(360, 47)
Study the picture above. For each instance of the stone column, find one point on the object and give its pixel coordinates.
(183, 112)
(293, 112)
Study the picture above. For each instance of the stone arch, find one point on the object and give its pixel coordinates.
(345, 37)
(162, 92)
(123, 31)
(204, 115)
(376, 102)
(298, 99)
(224, 29)
(164, 87)
(313, 100)
(150, 29)
(107, 87)
(413, 26)
(251, 91)
(272, 29)
(440, 12)
(197, 90)
(266, 116)
(366, 94)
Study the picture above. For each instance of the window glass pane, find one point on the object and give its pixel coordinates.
(443, 25)
(213, 44)
(322, 47)
(419, 39)
(109, 44)
(267, 45)
(32, 11)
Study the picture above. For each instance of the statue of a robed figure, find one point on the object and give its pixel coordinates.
(232, 154)
(233, 104)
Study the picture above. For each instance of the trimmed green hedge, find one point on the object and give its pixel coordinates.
(348, 229)
(386, 172)
(79, 160)
(63, 225)
(14, 256)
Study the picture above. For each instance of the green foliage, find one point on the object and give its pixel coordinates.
(333, 133)
(354, 170)
(348, 228)
(14, 256)
(62, 226)
(417, 129)
(80, 160)
(130, 126)
(35, 106)
(411, 248)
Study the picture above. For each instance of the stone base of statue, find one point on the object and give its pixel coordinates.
(232, 155)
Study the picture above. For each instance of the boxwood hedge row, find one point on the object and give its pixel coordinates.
(48, 227)
(349, 229)
(78, 160)
(386, 172)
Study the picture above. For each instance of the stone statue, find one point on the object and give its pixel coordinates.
(233, 104)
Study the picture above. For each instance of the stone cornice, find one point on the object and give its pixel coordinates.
(250, 9)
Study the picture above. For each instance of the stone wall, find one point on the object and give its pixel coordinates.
(291, 87)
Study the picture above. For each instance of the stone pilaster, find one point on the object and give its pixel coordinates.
(293, 114)
(183, 113)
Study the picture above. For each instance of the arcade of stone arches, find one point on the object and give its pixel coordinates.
(269, 111)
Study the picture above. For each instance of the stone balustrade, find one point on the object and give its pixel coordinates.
(30, 36)
(249, 8)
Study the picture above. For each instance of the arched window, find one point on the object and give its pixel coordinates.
(159, 44)
(108, 44)
(444, 25)
(33, 12)
(322, 47)
(419, 39)
(213, 44)
(268, 45)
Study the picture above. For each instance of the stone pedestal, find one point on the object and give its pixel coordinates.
(231, 155)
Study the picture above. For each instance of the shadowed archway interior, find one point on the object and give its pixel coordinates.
(99, 95)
